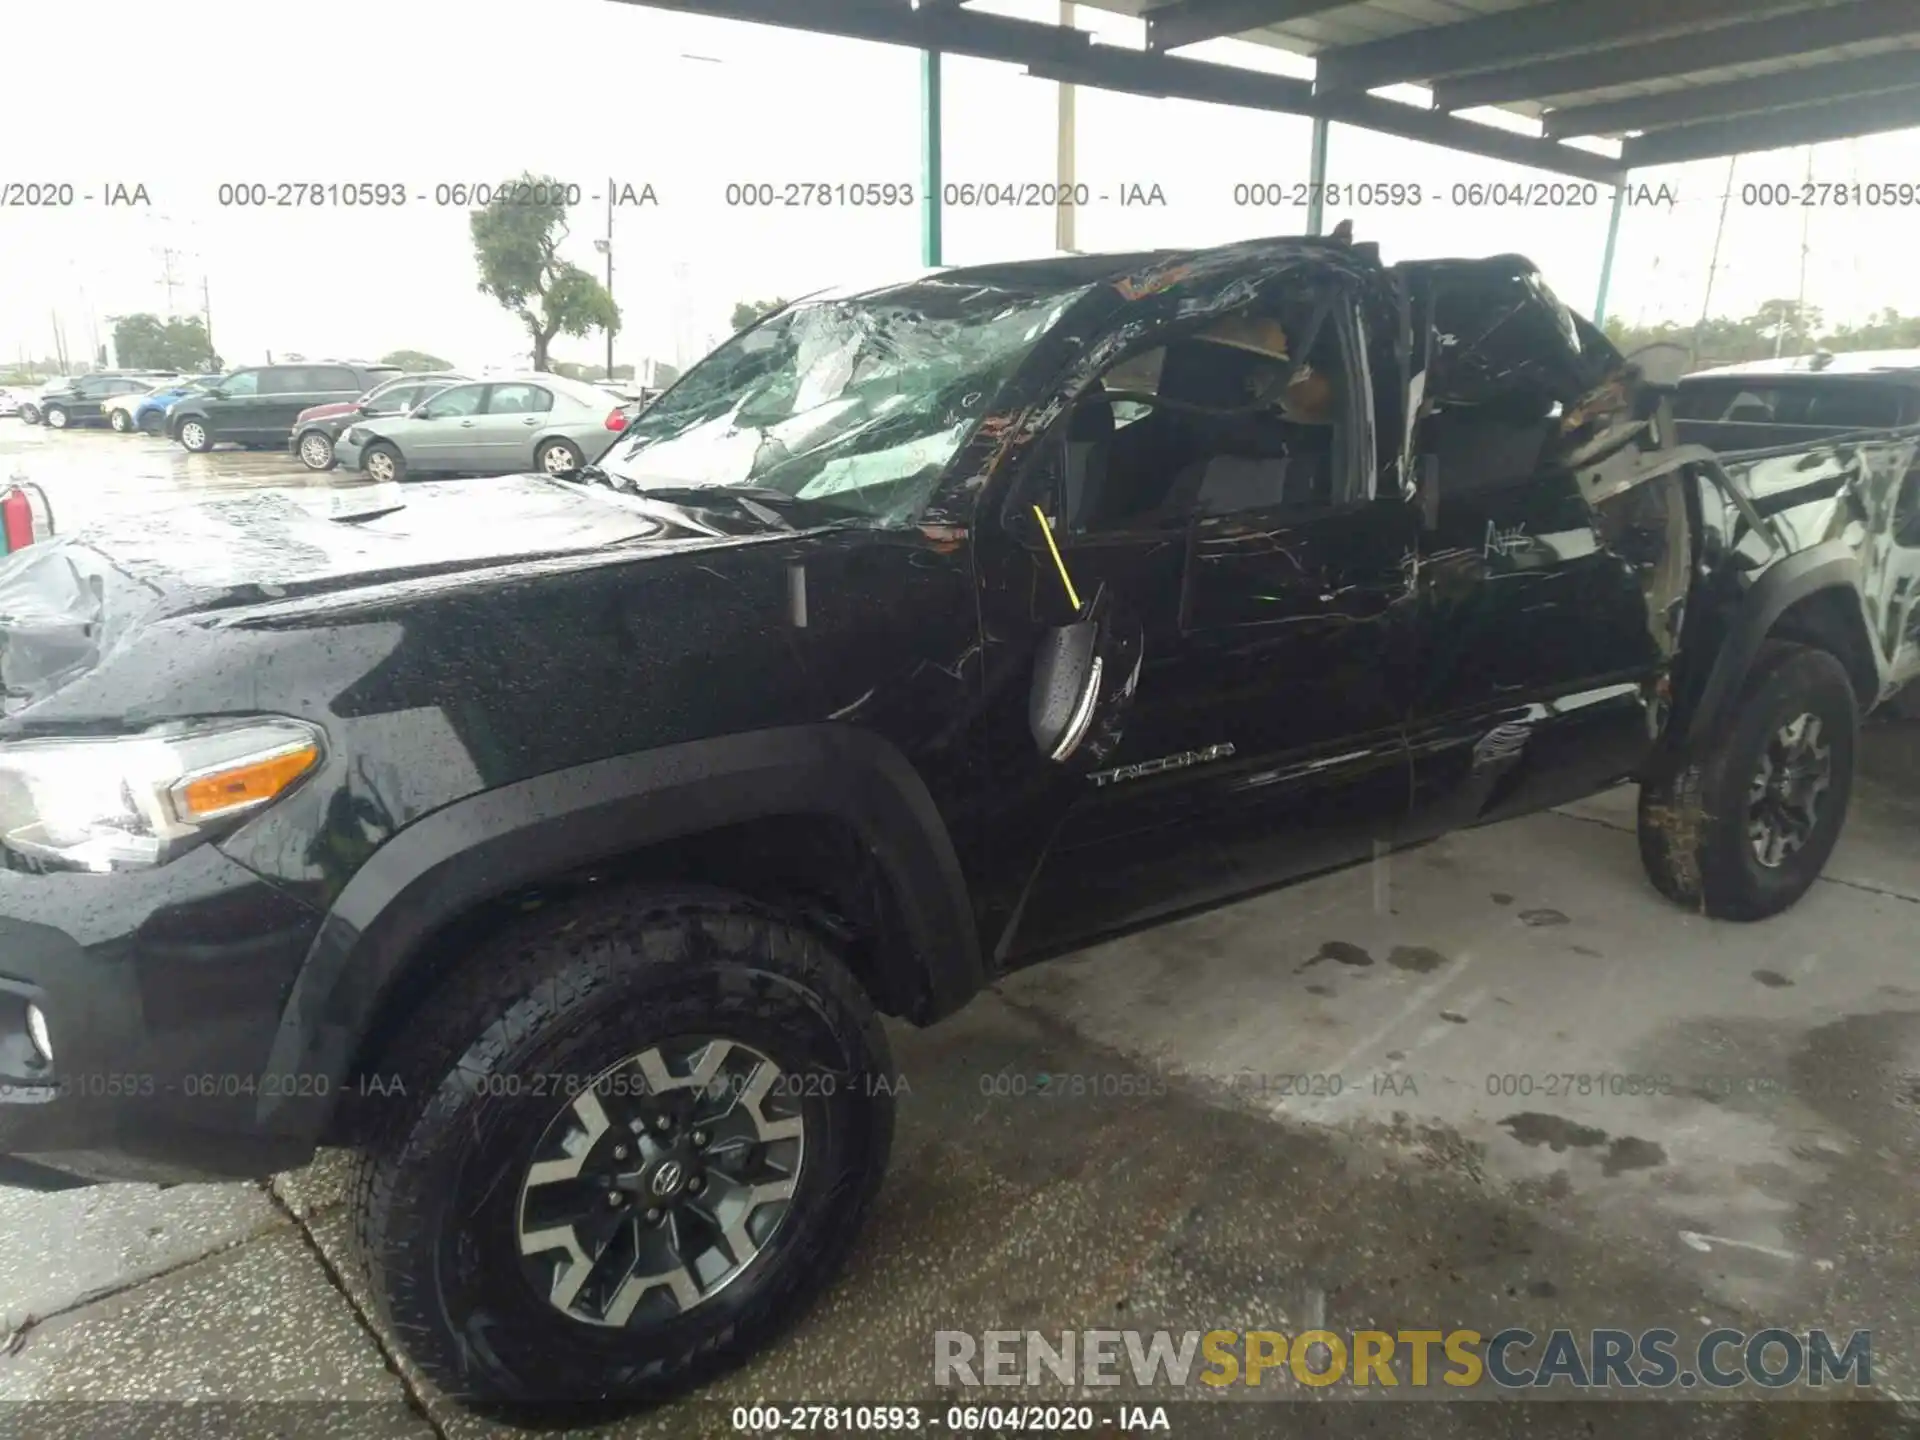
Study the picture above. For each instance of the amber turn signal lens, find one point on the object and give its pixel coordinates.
(206, 796)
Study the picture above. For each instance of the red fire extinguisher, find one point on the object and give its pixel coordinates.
(25, 515)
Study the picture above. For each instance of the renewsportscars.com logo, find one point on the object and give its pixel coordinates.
(1511, 1359)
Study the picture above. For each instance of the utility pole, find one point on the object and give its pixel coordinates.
(1799, 295)
(605, 247)
(167, 254)
(206, 316)
(1713, 265)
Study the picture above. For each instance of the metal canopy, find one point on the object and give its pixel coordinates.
(1674, 79)
(1666, 76)
(1060, 53)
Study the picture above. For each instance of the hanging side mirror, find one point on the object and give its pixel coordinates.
(1084, 680)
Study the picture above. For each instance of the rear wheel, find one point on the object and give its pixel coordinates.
(1742, 828)
(195, 436)
(121, 421)
(639, 1135)
(316, 450)
(382, 461)
(557, 457)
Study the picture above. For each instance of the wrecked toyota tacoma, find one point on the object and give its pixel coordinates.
(557, 843)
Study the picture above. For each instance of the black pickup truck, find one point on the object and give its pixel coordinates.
(557, 842)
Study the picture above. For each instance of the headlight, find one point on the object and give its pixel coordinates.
(128, 802)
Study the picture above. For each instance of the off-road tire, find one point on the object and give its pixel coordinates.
(1693, 813)
(572, 990)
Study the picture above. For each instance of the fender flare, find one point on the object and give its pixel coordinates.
(493, 843)
(1831, 565)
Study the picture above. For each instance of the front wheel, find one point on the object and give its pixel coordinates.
(56, 417)
(1742, 827)
(558, 457)
(121, 422)
(383, 462)
(639, 1135)
(195, 436)
(316, 450)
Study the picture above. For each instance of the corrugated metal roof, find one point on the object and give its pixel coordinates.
(1674, 80)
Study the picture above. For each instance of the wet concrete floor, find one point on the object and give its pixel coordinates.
(1494, 1082)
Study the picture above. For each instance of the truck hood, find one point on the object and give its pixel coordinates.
(67, 603)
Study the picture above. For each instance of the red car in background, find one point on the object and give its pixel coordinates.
(316, 428)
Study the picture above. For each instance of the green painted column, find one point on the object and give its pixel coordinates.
(930, 177)
(1317, 177)
(1606, 260)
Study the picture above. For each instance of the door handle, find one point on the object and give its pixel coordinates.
(530, 420)
(466, 424)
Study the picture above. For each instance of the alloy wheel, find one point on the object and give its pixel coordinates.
(380, 465)
(316, 452)
(660, 1181)
(1784, 797)
(559, 460)
(57, 419)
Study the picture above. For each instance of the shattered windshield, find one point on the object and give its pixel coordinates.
(856, 403)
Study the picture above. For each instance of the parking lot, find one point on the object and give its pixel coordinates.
(1418, 1094)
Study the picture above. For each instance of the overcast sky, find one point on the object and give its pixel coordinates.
(426, 92)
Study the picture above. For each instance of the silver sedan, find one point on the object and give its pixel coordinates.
(498, 426)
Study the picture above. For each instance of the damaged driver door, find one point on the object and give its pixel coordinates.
(1224, 628)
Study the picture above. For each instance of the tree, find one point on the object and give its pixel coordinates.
(748, 312)
(1786, 321)
(517, 249)
(146, 342)
(415, 361)
(1781, 325)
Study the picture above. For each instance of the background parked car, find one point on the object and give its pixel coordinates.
(149, 411)
(30, 399)
(9, 402)
(117, 410)
(315, 430)
(490, 427)
(257, 406)
(80, 401)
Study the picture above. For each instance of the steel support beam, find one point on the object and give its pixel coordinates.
(1802, 125)
(1317, 177)
(1514, 36)
(1757, 43)
(1606, 258)
(949, 28)
(1738, 97)
(1188, 22)
(1174, 76)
